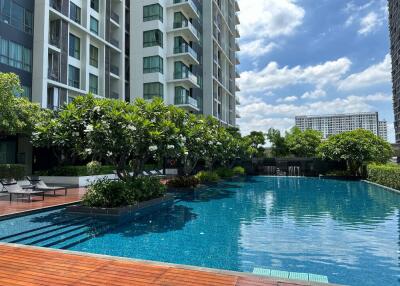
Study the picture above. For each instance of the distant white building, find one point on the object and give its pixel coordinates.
(338, 123)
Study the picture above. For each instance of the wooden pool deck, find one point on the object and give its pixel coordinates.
(8, 208)
(29, 266)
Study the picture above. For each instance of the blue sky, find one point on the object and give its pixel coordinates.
(313, 57)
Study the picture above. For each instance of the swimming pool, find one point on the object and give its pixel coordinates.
(348, 231)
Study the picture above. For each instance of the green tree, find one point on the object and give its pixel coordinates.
(357, 148)
(303, 143)
(17, 115)
(279, 147)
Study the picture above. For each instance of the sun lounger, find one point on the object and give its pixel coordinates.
(42, 186)
(13, 189)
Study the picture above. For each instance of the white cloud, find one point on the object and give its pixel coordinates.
(257, 48)
(318, 93)
(288, 99)
(274, 77)
(376, 74)
(370, 23)
(269, 18)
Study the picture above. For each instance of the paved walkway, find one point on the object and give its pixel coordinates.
(26, 266)
(20, 206)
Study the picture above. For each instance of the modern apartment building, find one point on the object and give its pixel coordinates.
(185, 52)
(338, 123)
(394, 25)
(79, 47)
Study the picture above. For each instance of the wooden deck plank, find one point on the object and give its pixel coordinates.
(26, 266)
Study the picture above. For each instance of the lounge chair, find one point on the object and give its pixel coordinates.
(12, 187)
(42, 186)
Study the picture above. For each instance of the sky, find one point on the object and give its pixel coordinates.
(301, 57)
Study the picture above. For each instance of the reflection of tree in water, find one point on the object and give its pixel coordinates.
(349, 202)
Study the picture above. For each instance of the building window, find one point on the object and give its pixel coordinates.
(73, 76)
(94, 4)
(15, 55)
(181, 70)
(93, 84)
(74, 46)
(153, 12)
(17, 16)
(94, 56)
(153, 64)
(152, 38)
(180, 20)
(75, 13)
(152, 90)
(94, 25)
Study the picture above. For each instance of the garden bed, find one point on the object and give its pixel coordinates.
(123, 214)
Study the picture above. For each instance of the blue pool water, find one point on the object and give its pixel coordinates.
(348, 231)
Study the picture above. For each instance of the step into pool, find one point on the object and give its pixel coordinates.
(347, 231)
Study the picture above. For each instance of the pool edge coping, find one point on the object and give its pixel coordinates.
(382, 186)
(166, 264)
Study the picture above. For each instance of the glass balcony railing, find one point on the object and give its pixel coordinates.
(191, 3)
(114, 70)
(185, 99)
(185, 48)
(186, 75)
(115, 17)
(184, 24)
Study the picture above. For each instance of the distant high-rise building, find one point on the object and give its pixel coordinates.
(394, 24)
(338, 123)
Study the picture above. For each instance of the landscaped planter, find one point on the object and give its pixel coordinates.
(75, 181)
(124, 214)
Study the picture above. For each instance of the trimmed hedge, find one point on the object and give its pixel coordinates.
(387, 175)
(12, 171)
(77, 171)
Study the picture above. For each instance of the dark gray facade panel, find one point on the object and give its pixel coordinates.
(394, 26)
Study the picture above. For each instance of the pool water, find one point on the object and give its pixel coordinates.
(348, 231)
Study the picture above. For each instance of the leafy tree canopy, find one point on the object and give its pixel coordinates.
(303, 143)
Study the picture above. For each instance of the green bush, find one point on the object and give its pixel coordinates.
(12, 171)
(111, 193)
(207, 177)
(239, 171)
(387, 175)
(225, 173)
(75, 171)
(183, 182)
(93, 168)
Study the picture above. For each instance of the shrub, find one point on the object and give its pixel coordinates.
(207, 177)
(387, 175)
(183, 182)
(93, 168)
(225, 173)
(75, 171)
(111, 193)
(239, 171)
(12, 171)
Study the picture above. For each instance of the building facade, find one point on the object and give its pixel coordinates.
(394, 26)
(338, 123)
(185, 52)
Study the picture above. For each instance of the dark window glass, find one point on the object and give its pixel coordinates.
(15, 55)
(153, 12)
(94, 25)
(75, 13)
(94, 56)
(73, 76)
(17, 16)
(153, 64)
(152, 38)
(93, 84)
(94, 4)
(74, 46)
(152, 90)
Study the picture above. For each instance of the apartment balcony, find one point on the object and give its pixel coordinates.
(237, 20)
(237, 88)
(237, 8)
(114, 42)
(186, 54)
(185, 101)
(56, 4)
(237, 47)
(237, 34)
(114, 17)
(114, 71)
(53, 74)
(237, 61)
(54, 40)
(237, 75)
(238, 114)
(237, 100)
(186, 78)
(186, 6)
(186, 30)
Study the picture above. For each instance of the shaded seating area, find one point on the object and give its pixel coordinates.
(40, 185)
(15, 190)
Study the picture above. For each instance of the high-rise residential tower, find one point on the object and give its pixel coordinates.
(394, 25)
(334, 124)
